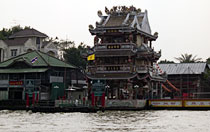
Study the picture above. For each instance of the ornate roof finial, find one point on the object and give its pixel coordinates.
(156, 34)
(114, 8)
(107, 10)
(139, 10)
(99, 13)
(91, 27)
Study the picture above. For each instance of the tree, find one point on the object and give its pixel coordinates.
(73, 55)
(208, 60)
(165, 62)
(188, 58)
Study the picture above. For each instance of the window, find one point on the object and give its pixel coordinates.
(3, 76)
(38, 43)
(14, 52)
(0, 55)
(37, 40)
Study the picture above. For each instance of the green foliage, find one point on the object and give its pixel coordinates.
(165, 62)
(206, 75)
(73, 55)
(188, 58)
(208, 60)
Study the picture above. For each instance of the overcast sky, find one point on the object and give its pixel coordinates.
(183, 25)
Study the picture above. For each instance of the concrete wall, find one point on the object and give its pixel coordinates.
(50, 47)
(138, 40)
(30, 44)
(125, 103)
(3, 48)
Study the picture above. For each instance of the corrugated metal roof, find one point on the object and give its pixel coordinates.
(24, 70)
(41, 59)
(183, 68)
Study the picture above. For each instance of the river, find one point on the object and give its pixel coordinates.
(117, 121)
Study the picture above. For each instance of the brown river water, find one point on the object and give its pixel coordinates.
(114, 121)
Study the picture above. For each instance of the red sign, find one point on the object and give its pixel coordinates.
(15, 82)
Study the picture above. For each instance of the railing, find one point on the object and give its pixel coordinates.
(71, 103)
(110, 69)
(120, 69)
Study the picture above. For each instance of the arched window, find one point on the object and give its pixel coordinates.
(29, 50)
(51, 53)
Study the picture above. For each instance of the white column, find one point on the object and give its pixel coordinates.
(161, 91)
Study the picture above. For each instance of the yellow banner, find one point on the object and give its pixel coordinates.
(91, 57)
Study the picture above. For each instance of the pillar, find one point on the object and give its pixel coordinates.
(93, 99)
(103, 100)
(27, 100)
(161, 91)
(152, 90)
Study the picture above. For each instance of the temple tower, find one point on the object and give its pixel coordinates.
(120, 64)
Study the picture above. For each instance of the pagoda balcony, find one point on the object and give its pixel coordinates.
(145, 51)
(110, 69)
(115, 49)
(119, 69)
(115, 46)
(144, 69)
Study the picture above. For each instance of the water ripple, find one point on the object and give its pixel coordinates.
(118, 121)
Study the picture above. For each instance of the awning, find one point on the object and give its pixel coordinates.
(24, 70)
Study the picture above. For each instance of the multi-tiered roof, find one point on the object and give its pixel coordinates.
(127, 19)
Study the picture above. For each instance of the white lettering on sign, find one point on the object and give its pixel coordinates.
(197, 103)
(166, 103)
(56, 87)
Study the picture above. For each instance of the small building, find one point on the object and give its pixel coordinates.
(190, 78)
(34, 75)
(25, 41)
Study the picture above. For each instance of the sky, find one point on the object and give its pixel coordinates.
(183, 25)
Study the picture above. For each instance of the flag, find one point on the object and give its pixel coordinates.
(34, 60)
(91, 57)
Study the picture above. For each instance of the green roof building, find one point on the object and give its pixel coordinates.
(35, 76)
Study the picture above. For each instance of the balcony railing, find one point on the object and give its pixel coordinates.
(111, 69)
(119, 69)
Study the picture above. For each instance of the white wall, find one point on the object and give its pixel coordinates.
(3, 48)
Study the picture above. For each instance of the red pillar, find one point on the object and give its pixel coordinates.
(27, 100)
(64, 97)
(103, 100)
(96, 100)
(83, 100)
(93, 99)
(37, 97)
(33, 101)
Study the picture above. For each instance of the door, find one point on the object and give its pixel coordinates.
(16, 93)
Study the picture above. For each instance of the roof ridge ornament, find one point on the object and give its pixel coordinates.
(156, 34)
(122, 10)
